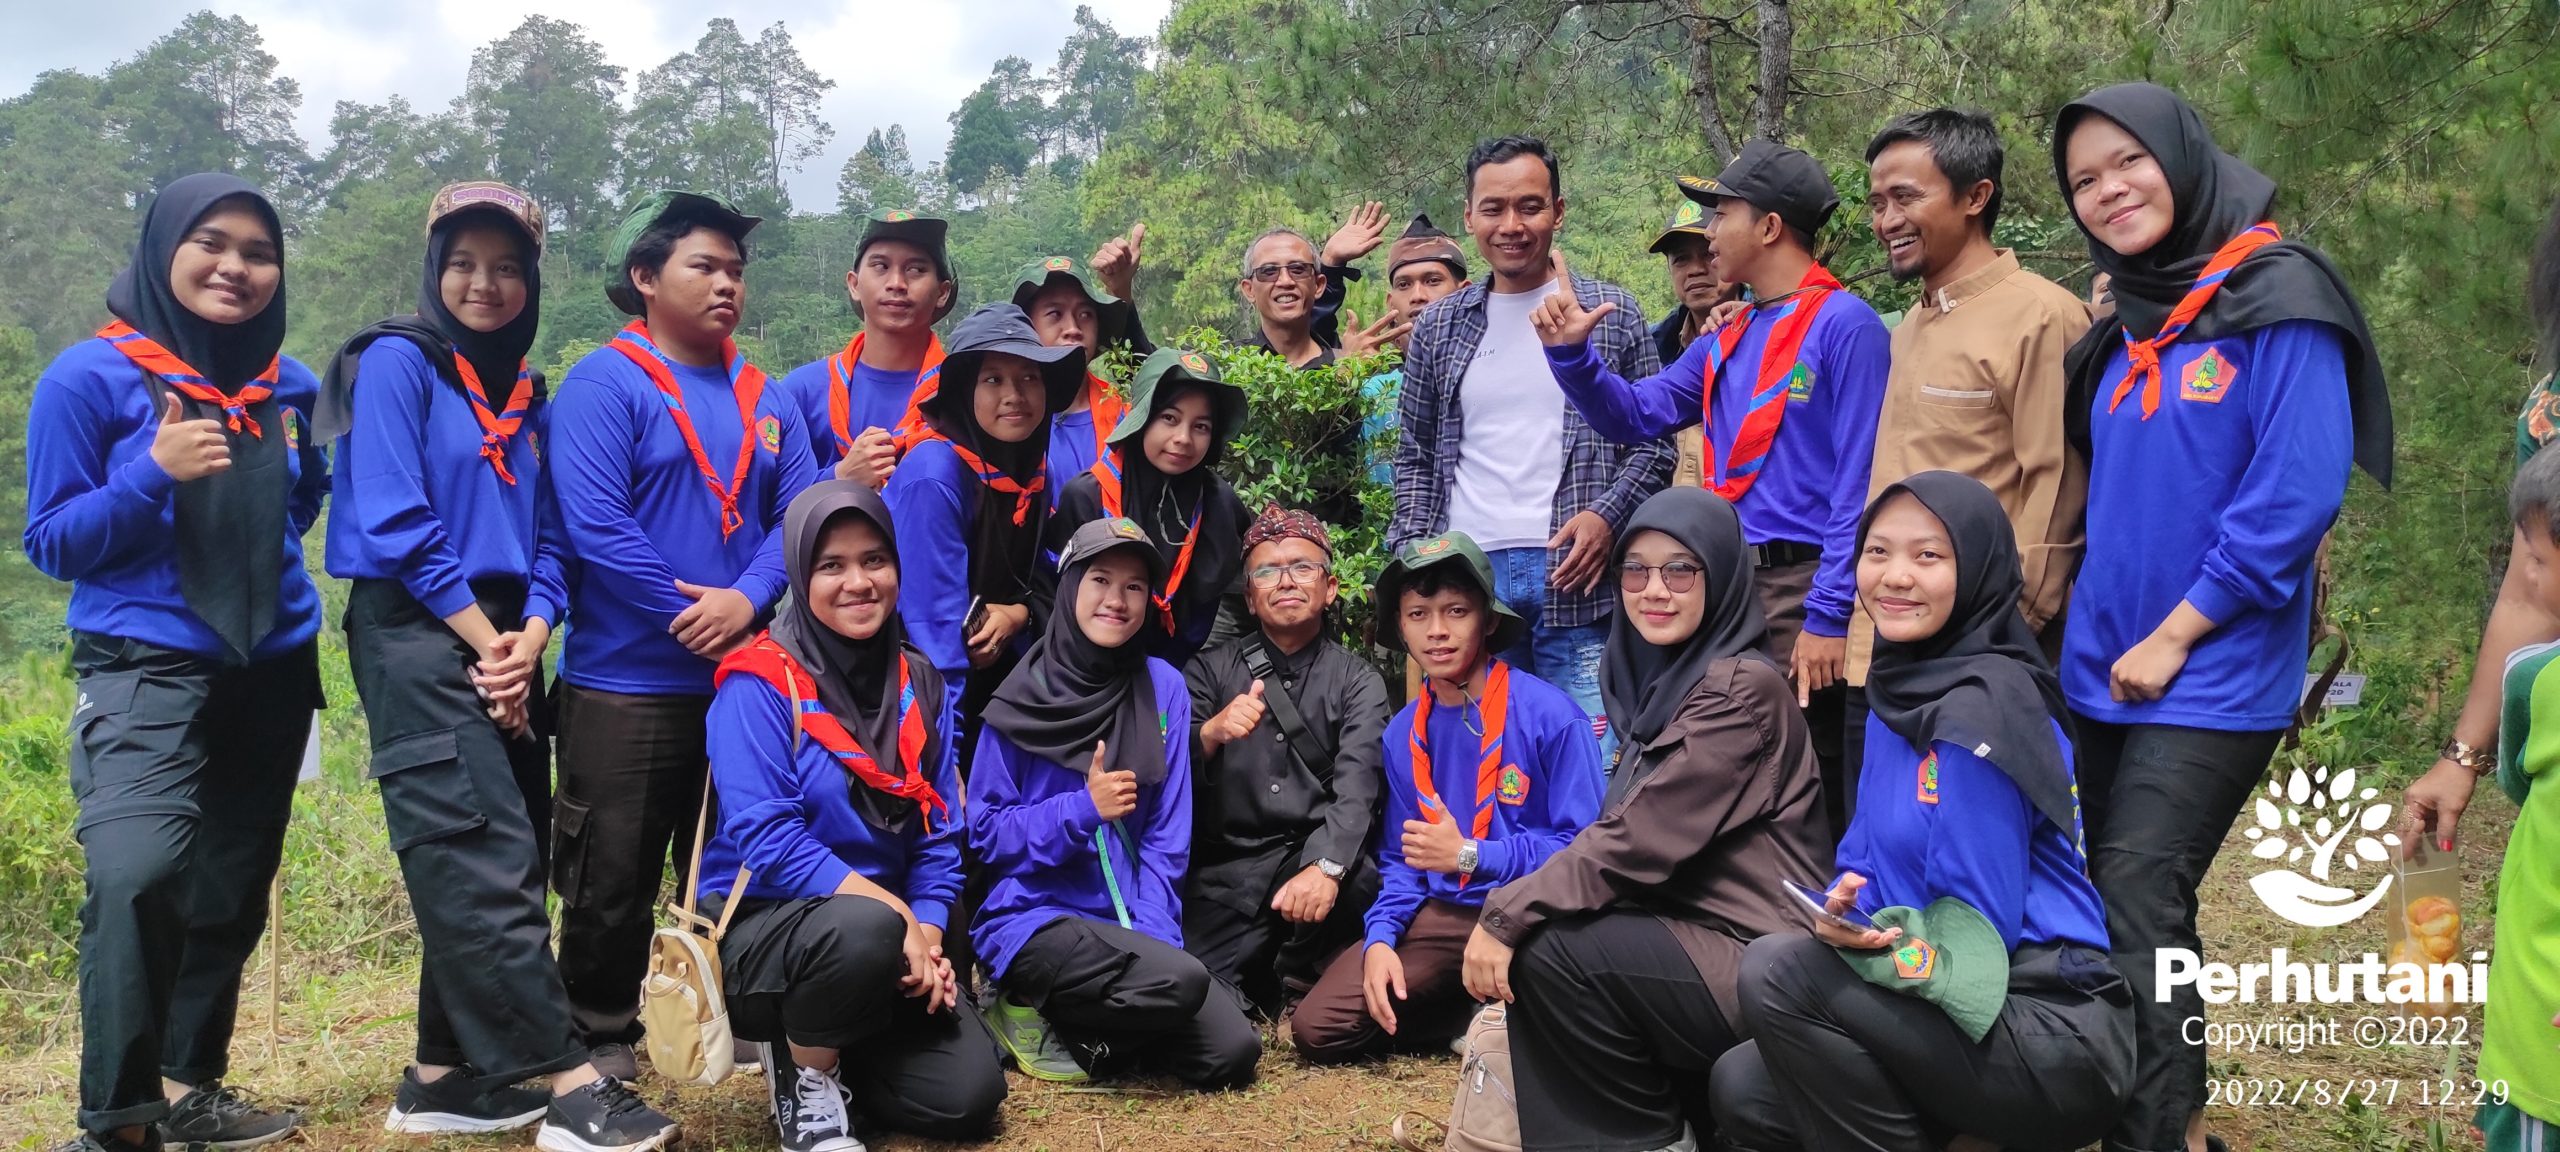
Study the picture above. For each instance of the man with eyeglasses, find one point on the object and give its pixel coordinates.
(1286, 764)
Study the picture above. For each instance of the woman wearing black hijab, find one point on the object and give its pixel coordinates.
(839, 797)
(1081, 808)
(2220, 410)
(1981, 1002)
(1629, 940)
(435, 418)
(171, 473)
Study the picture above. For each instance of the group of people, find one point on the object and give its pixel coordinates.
(1757, 797)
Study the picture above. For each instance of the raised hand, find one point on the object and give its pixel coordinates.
(1432, 845)
(1116, 262)
(1235, 721)
(1115, 794)
(189, 449)
(1561, 320)
(1361, 233)
(1358, 341)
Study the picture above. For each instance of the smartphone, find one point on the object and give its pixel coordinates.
(1817, 903)
(976, 618)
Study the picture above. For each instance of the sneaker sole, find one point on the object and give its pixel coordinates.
(562, 1140)
(227, 1145)
(1048, 1075)
(452, 1123)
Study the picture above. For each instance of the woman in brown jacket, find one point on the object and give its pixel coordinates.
(1630, 939)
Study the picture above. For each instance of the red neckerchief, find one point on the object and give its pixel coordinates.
(766, 661)
(496, 428)
(1495, 709)
(1106, 475)
(147, 354)
(1741, 466)
(840, 388)
(2143, 356)
(993, 477)
(745, 379)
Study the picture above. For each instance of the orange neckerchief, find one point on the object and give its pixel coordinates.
(745, 379)
(147, 354)
(840, 389)
(2143, 356)
(766, 661)
(1495, 709)
(1741, 466)
(993, 477)
(496, 428)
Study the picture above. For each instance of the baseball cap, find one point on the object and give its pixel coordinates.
(715, 211)
(1430, 552)
(932, 234)
(1772, 177)
(1690, 218)
(487, 196)
(1949, 955)
(1100, 536)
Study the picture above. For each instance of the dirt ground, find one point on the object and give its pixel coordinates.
(341, 1034)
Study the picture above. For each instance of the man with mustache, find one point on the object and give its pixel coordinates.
(1697, 292)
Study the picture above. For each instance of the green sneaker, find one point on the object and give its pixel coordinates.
(1034, 1046)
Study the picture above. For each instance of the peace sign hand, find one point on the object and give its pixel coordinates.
(1561, 320)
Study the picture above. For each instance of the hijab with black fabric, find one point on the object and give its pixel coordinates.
(230, 524)
(1162, 504)
(495, 356)
(1643, 684)
(854, 677)
(2216, 197)
(1069, 693)
(1002, 554)
(1981, 681)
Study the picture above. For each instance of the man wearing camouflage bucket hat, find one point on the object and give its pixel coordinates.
(1068, 306)
(1486, 778)
(855, 399)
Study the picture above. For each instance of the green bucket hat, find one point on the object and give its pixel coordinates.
(716, 211)
(1168, 368)
(1111, 312)
(932, 234)
(1949, 955)
(1430, 552)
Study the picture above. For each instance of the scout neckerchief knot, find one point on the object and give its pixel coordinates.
(993, 477)
(148, 355)
(1494, 780)
(766, 661)
(840, 387)
(746, 380)
(1106, 475)
(2142, 357)
(1778, 363)
(496, 428)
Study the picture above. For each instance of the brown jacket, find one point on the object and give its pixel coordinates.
(1731, 807)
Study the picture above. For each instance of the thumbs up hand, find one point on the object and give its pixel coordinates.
(188, 449)
(1115, 794)
(1561, 320)
(1235, 721)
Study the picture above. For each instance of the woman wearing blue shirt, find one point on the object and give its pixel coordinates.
(838, 797)
(2219, 410)
(1981, 1002)
(171, 474)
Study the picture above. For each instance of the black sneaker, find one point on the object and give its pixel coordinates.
(808, 1106)
(461, 1102)
(213, 1115)
(746, 1057)
(101, 1142)
(617, 1061)
(603, 1117)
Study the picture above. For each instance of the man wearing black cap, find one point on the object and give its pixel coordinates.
(1696, 292)
(1424, 265)
(852, 401)
(671, 461)
(1795, 383)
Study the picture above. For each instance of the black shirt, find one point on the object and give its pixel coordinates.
(1257, 814)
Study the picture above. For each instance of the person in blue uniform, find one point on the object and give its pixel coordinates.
(1980, 1002)
(2219, 409)
(171, 473)
(852, 401)
(1067, 308)
(839, 798)
(1081, 807)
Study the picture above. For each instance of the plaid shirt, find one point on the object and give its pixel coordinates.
(1610, 479)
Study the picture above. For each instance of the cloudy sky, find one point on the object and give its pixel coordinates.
(894, 61)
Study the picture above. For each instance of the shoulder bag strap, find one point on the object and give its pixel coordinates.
(1284, 710)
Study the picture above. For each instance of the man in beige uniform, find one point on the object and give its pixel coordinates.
(1976, 385)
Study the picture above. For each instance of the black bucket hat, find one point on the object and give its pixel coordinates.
(1001, 327)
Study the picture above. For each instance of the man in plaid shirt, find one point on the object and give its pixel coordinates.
(1491, 449)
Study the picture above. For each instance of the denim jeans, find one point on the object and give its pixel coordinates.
(1567, 657)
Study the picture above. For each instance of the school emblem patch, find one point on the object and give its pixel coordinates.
(769, 433)
(1059, 264)
(897, 216)
(533, 444)
(1800, 384)
(1432, 547)
(1915, 960)
(1514, 787)
(2208, 378)
(292, 431)
(1689, 213)
(1195, 362)
(1929, 778)
(1127, 529)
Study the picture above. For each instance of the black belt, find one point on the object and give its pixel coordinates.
(1784, 553)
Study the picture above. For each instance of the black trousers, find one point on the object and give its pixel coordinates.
(632, 770)
(1270, 960)
(2156, 803)
(183, 769)
(467, 808)
(823, 973)
(1133, 1002)
(1837, 1064)
(1613, 1036)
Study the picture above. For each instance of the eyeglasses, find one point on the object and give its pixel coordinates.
(1297, 270)
(1302, 572)
(1678, 575)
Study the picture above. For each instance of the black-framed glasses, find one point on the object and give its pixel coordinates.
(1302, 572)
(1678, 575)
(1297, 270)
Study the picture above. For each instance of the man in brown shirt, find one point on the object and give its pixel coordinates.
(1976, 385)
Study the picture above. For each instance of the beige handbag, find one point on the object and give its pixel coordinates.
(1486, 1115)
(682, 1009)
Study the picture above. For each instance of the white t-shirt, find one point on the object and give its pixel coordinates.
(1511, 450)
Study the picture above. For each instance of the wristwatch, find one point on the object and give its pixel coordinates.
(1331, 870)
(1466, 856)
(2463, 754)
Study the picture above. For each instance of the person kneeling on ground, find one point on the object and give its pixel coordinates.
(1981, 1001)
(1083, 812)
(1521, 760)
(839, 797)
(1630, 940)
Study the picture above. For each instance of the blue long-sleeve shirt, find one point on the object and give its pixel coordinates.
(787, 813)
(1813, 483)
(101, 513)
(1033, 825)
(1953, 824)
(876, 398)
(1548, 738)
(2219, 499)
(418, 504)
(933, 498)
(639, 515)
(1071, 449)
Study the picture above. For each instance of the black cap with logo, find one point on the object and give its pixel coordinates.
(1772, 177)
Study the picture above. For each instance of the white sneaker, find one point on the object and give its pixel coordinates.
(808, 1106)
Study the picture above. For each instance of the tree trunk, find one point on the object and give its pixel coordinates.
(1777, 70)
(1713, 131)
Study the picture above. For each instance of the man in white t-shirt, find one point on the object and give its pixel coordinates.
(1490, 448)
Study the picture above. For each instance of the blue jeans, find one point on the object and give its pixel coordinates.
(1565, 656)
